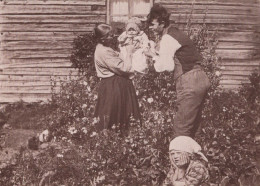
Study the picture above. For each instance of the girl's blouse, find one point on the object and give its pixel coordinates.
(108, 62)
(196, 174)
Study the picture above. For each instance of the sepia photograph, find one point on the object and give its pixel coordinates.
(129, 92)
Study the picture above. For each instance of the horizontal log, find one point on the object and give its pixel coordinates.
(62, 53)
(39, 36)
(200, 19)
(37, 65)
(229, 87)
(212, 8)
(249, 3)
(40, 71)
(215, 16)
(241, 63)
(205, 11)
(44, 27)
(35, 78)
(238, 45)
(32, 61)
(237, 54)
(11, 98)
(242, 68)
(59, 19)
(239, 36)
(233, 82)
(237, 72)
(229, 27)
(42, 89)
(234, 77)
(7, 84)
(35, 45)
(53, 9)
(53, 2)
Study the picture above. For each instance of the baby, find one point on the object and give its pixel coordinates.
(134, 36)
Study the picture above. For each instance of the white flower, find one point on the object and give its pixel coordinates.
(145, 142)
(88, 88)
(43, 137)
(84, 119)
(84, 106)
(95, 120)
(95, 97)
(93, 134)
(85, 83)
(72, 130)
(150, 100)
(60, 155)
(137, 92)
(84, 130)
(218, 73)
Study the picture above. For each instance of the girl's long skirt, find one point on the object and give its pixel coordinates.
(116, 103)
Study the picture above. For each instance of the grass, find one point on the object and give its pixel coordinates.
(23, 115)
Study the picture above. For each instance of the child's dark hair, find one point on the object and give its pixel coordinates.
(160, 13)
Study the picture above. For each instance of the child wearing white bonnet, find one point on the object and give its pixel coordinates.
(188, 163)
(133, 35)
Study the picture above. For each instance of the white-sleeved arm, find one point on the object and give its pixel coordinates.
(164, 60)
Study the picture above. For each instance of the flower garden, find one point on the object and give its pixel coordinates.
(76, 154)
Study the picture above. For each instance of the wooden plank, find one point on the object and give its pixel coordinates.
(230, 87)
(243, 63)
(53, 9)
(23, 61)
(40, 71)
(33, 77)
(234, 77)
(53, 2)
(24, 83)
(35, 45)
(238, 45)
(228, 27)
(237, 72)
(61, 53)
(10, 98)
(59, 19)
(23, 90)
(215, 20)
(216, 16)
(237, 54)
(45, 27)
(212, 9)
(249, 3)
(239, 36)
(233, 82)
(244, 68)
(37, 65)
(39, 36)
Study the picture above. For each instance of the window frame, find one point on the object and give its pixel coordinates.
(130, 9)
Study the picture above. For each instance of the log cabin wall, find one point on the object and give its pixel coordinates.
(237, 24)
(35, 42)
(36, 39)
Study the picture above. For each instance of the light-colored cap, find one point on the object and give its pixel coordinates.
(186, 144)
